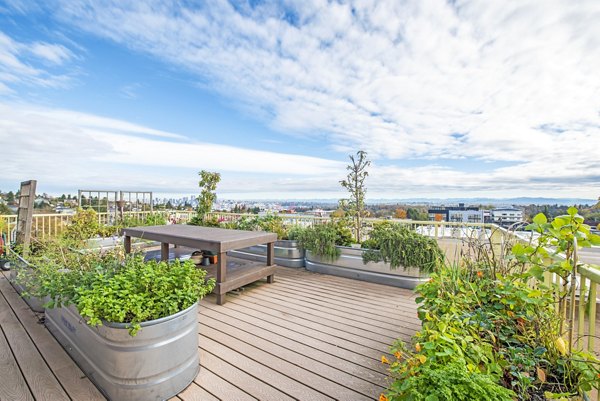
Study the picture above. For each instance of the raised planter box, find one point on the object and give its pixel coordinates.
(350, 265)
(156, 364)
(287, 253)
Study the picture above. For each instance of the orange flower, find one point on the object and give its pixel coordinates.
(384, 359)
(398, 355)
(480, 274)
(382, 397)
(418, 347)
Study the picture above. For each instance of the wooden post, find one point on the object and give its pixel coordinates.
(127, 243)
(25, 214)
(271, 260)
(221, 276)
(164, 251)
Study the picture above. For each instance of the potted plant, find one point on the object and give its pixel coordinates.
(389, 247)
(130, 324)
(288, 253)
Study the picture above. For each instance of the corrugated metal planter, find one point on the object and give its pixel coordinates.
(287, 253)
(156, 364)
(350, 265)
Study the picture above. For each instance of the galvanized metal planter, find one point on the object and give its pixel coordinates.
(287, 253)
(156, 364)
(350, 265)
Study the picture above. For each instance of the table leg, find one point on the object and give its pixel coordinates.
(221, 275)
(164, 251)
(127, 244)
(271, 260)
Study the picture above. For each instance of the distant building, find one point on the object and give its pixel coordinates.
(457, 214)
(507, 216)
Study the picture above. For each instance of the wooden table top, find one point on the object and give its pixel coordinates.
(209, 238)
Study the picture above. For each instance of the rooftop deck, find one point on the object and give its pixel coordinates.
(307, 336)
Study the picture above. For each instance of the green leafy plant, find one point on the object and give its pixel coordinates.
(140, 291)
(208, 184)
(322, 239)
(84, 225)
(401, 247)
(490, 315)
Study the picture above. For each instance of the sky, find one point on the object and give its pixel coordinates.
(448, 98)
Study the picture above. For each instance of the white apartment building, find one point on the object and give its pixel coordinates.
(506, 216)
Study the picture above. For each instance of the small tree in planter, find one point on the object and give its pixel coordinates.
(208, 184)
(355, 184)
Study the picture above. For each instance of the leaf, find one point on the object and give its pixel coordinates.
(540, 218)
(561, 346)
(572, 211)
(541, 374)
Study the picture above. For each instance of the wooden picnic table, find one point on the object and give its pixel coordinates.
(217, 240)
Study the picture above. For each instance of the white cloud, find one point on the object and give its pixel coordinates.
(512, 82)
(71, 149)
(31, 64)
(394, 78)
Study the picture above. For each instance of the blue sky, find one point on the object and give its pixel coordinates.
(449, 99)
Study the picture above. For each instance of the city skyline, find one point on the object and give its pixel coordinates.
(449, 99)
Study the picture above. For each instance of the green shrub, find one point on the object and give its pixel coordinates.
(447, 382)
(399, 246)
(84, 225)
(140, 291)
(321, 239)
(490, 316)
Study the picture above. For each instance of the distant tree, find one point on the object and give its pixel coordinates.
(5, 209)
(169, 205)
(208, 184)
(416, 214)
(10, 197)
(400, 213)
(355, 184)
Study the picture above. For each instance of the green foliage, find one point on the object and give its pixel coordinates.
(355, 184)
(84, 225)
(554, 249)
(447, 382)
(400, 246)
(140, 291)
(107, 286)
(493, 318)
(270, 223)
(321, 239)
(295, 232)
(208, 184)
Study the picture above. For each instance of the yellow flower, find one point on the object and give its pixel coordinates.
(382, 397)
(418, 347)
(422, 358)
(384, 359)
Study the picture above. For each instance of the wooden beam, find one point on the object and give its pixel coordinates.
(164, 251)
(127, 244)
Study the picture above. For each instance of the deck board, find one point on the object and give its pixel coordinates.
(307, 336)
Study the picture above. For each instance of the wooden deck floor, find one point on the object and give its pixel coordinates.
(307, 336)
